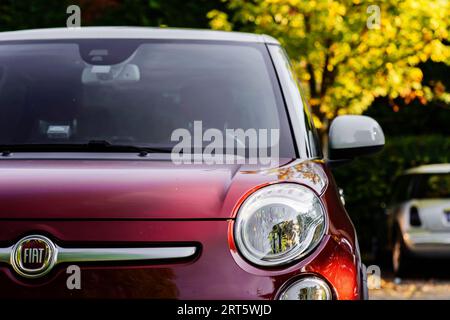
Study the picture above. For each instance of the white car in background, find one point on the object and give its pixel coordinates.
(419, 215)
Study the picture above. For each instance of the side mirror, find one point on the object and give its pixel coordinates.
(351, 136)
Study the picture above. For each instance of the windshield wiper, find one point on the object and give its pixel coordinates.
(104, 145)
(90, 146)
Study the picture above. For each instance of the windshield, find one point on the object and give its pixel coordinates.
(135, 92)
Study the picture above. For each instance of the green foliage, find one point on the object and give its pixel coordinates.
(367, 182)
(344, 63)
(29, 14)
(173, 13)
(398, 118)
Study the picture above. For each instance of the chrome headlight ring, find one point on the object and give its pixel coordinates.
(279, 223)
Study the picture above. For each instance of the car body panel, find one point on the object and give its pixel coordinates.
(216, 273)
(52, 189)
(430, 168)
(433, 213)
(134, 33)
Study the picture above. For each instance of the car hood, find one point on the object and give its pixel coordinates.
(94, 189)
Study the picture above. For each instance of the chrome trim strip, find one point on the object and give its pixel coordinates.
(294, 103)
(5, 254)
(122, 254)
(111, 254)
(50, 255)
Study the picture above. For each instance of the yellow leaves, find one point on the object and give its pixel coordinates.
(299, 33)
(423, 56)
(312, 4)
(294, 3)
(327, 107)
(284, 9)
(314, 102)
(389, 30)
(413, 60)
(341, 50)
(439, 89)
(379, 91)
(442, 33)
(219, 20)
(416, 74)
(393, 94)
(427, 35)
(341, 9)
(317, 123)
(434, 24)
(412, 95)
(264, 20)
(278, 17)
(428, 93)
(296, 22)
(391, 48)
(416, 86)
(446, 98)
(438, 51)
(375, 38)
(367, 63)
(363, 47)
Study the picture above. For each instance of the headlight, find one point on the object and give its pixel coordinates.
(278, 224)
(310, 288)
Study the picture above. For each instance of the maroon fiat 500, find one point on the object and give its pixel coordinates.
(158, 163)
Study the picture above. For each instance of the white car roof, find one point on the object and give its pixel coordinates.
(430, 168)
(133, 33)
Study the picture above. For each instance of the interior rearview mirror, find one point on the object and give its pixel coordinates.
(351, 136)
(103, 74)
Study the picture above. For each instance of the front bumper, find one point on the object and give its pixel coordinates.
(424, 243)
(216, 272)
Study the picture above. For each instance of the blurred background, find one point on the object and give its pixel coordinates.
(387, 59)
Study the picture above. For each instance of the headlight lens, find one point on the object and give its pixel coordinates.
(311, 288)
(278, 224)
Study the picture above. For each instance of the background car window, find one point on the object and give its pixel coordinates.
(432, 186)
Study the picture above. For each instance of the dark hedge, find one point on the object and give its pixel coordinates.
(367, 183)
